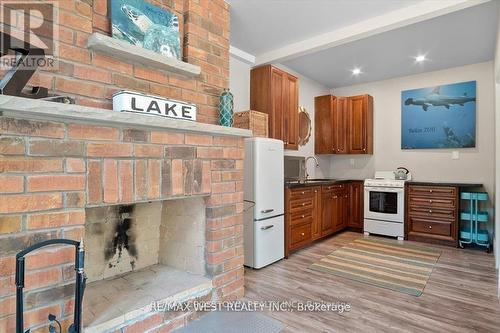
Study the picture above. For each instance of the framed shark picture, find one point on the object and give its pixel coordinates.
(142, 24)
(439, 117)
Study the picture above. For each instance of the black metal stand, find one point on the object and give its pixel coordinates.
(76, 327)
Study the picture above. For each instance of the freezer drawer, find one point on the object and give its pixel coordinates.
(269, 241)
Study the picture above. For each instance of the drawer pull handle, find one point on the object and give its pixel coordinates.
(430, 191)
(430, 211)
(265, 211)
(430, 201)
(303, 204)
(315, 191)
(267, 227)
(303, 192)
(303, 216)
(430, 227)
(302, 234)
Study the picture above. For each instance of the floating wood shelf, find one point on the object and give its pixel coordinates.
(131, 53)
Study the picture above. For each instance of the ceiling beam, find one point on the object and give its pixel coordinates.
(241, 55)
(418, 12)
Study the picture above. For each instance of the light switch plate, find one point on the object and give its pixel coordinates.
(455, 155)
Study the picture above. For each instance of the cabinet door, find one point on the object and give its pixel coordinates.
(290, 112)
(276, 117)
(355, 217)
(357, 124)
(316, 227)
(340, 210)
(327, 214)
(323, 124)
(340, 125)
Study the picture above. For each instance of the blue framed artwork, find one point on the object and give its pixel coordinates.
(142, 24)
(439, 117)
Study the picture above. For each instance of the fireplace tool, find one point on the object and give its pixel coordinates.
(76, 327)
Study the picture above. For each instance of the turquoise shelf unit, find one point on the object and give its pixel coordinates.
(473, 221)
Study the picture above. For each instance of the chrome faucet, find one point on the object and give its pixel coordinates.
(305, 164)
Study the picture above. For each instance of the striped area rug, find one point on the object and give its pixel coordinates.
(383, 263)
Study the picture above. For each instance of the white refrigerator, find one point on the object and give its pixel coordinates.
(264, 225)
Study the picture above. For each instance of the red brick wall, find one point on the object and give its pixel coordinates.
(50, 171)
(92, 77)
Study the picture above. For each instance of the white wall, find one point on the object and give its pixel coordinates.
(497, 149)
(474, 165)
(239, 83)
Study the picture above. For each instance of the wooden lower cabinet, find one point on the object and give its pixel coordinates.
(356, 206)
(314, 212)
(432, 214)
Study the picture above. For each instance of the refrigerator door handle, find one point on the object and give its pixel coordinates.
(265, 211)
(267, 227)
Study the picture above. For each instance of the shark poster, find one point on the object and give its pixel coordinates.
(439, 117)
(142, 24)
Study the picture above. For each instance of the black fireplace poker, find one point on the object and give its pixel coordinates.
(76, 327)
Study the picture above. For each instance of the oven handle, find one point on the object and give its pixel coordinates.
(385, 189)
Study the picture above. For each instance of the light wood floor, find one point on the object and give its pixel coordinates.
(460, 296)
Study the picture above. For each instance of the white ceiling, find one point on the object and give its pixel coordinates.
(259, 26)
(462, 37)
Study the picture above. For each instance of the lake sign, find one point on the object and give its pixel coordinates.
(126, 101)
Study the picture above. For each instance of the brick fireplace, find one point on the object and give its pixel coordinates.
(63, 178)
(82, 171)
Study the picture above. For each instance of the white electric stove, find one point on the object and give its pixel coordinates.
(384, 205)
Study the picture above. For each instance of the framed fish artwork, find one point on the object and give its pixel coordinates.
(439, 117)
(143, 24)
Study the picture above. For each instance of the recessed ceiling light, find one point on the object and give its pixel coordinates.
(356, 71)
(420, 58)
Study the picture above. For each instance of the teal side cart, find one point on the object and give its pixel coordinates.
(473, 221)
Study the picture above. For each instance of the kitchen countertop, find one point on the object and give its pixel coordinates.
(439, 183)
(322, 182)
(410, 182)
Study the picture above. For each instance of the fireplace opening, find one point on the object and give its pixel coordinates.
(140, 253)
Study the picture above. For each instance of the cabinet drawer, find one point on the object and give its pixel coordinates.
(430, 227)
(300, 204)
(427, 202)
(432, 191)
(300, 234)
(432, 213)
(302, 192)
(332, 188)
(301, 217)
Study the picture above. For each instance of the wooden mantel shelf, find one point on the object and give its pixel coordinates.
(31, 109)
(131, 53)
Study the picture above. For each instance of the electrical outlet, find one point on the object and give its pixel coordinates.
(351, 162)
(455, 155)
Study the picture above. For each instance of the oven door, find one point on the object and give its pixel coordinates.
(384, 204)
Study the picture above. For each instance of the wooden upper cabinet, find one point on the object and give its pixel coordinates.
(360, 118)
(276, 116)
(340, 125)
(343, 125)
(276, 92)
(323, 122)
(291, 112)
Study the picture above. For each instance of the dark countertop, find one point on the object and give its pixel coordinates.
(438, 183)
(322, 182)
